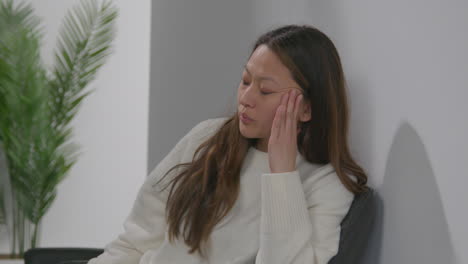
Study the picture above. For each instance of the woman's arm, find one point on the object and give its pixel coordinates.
(145, 227)
(300, 222)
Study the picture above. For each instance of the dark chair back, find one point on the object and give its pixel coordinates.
(60, 255)
(356, 228)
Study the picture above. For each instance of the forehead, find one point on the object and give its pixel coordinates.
(264, 62)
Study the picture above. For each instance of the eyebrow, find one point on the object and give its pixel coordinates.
(262, 77)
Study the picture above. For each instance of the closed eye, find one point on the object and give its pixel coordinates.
(262, 92)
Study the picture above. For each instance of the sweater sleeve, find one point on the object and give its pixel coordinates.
(300, 222)
(144, 228)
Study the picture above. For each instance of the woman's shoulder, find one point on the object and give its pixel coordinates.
(198, 134)
(210, 124)
(324, 178)
(318, 173)
(207, 128)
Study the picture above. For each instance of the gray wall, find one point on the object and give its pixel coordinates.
(406, 65)
(197, 55)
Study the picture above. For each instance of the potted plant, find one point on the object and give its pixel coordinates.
(37, 105)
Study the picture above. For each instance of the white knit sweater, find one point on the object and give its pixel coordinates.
(291, 217)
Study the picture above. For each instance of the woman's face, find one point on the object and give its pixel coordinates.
(264, 80)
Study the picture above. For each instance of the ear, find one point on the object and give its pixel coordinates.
(305, 112)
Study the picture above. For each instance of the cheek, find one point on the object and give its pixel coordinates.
(271, 117)
(268, 116)
(272, 107)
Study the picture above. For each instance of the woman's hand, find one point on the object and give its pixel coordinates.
(282, 145)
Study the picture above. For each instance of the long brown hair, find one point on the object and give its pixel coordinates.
(208, 186)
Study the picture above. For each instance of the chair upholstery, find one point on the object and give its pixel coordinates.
(60, 255)
(356, 229)
(355, 233)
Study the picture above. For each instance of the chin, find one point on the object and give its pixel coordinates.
(247, 132)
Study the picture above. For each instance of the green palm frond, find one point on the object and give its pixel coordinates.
(24, 122)
(4, 75)
(36, 107)
(20, 15)
(83, 46)
(23, 103)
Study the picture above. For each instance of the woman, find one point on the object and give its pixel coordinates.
(269, 184)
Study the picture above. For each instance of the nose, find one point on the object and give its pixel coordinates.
(247, 96)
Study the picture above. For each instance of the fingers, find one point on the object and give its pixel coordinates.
(284, 105)
(285, 120)
(289, 112)
(276, 126)
(297, 106)
(278, 123)
(292, 112)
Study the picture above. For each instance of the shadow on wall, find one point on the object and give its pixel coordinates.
(411, 224)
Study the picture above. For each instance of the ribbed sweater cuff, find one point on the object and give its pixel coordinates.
(284, 206)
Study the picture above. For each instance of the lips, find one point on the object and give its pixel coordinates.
(246, 116)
